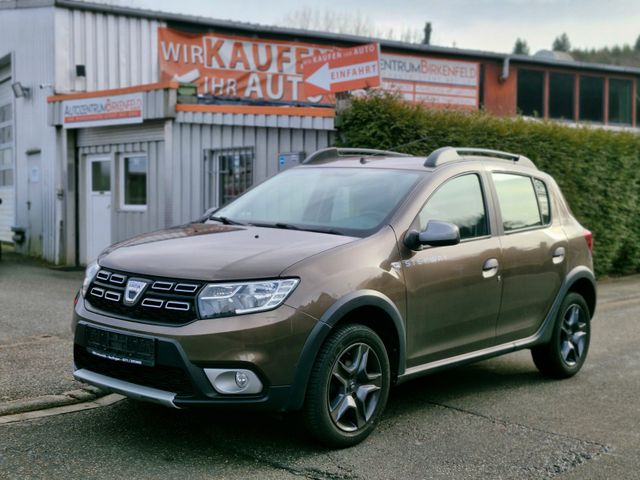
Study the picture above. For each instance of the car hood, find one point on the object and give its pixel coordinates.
(217, 252)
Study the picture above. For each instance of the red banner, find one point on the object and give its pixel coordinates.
(234, 66)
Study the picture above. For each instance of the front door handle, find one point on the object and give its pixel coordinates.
(558, 255)
(490, 268)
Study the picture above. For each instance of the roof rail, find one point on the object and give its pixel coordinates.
(450, 154)
(333, 152)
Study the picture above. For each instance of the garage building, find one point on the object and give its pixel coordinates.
(116, 121)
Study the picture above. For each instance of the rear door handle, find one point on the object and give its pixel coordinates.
(490, 268)
(558, 255)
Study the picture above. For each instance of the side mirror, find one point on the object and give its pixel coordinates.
(437, 234)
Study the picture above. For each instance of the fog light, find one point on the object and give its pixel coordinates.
(234, 381)
(241, 380)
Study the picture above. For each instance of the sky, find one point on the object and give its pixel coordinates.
(491, 25)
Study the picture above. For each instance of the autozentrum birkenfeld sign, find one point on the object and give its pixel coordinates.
(103, 111)
(436, 82)
(342, 69)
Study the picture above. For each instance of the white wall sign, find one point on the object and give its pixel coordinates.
(434, 81)
(103, 111)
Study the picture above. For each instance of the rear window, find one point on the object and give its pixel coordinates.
(518, 201)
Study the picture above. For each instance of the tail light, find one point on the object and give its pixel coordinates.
(588, 236)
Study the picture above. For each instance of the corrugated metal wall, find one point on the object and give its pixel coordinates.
(125, 224)
(146, 132)
(117, 51)
(269, 135)
(28, 34)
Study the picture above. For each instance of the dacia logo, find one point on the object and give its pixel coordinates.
(133, 291)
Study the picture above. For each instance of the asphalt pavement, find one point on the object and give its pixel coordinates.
(496, 419)
(36, 301)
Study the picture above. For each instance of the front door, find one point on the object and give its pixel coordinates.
(453, 292)
(34, 204)
(98, 214)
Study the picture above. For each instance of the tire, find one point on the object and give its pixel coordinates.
(344, 401)
(567, 350)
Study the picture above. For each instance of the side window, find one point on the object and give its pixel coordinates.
(458, 201)
(133, 182)
(543, 200)
(518, 201)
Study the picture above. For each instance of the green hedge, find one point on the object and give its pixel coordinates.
(598, 170)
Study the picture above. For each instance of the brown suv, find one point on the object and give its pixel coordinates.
(323, 286)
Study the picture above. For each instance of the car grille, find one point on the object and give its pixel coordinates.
(163, 301)
(170, 379)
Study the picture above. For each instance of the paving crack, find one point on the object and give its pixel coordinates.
(307, 472)
(573, 457)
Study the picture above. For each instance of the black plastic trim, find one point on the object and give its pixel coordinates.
(544, 333)
(346, 304)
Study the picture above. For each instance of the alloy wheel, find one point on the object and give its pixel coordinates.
(354, 387)
(573, 335)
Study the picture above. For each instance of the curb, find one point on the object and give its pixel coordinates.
(61, 410)
(85, 394)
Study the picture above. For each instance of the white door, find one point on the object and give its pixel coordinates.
(34, 204)
(98, 205)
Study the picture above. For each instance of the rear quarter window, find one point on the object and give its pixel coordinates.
(522, 204)
(542, 194)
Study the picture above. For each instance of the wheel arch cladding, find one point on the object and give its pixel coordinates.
(367, 307)
(580, 280)
(586, 288)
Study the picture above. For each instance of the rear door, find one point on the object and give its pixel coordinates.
(453, 292)
(534, 249)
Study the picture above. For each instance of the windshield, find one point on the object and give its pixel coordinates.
(349, 201)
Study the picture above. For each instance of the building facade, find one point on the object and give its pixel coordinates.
(101, 140)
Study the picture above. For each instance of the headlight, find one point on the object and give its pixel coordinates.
(89, 275)
(224, 299)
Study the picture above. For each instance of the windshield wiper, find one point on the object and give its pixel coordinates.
(286, 226)
(331, 231)
(290, 226)
(225, 220)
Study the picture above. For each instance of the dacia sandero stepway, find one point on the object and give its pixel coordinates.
(320, 288)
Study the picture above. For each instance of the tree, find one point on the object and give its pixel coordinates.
(345, 22)
(637, 45)
(521, 47)
(561, 44)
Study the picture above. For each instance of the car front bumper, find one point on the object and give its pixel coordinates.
(268, 344)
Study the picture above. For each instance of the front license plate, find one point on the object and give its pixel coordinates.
(120, 347)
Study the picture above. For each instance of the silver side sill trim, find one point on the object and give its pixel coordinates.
(419, 370)
(128, 389)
